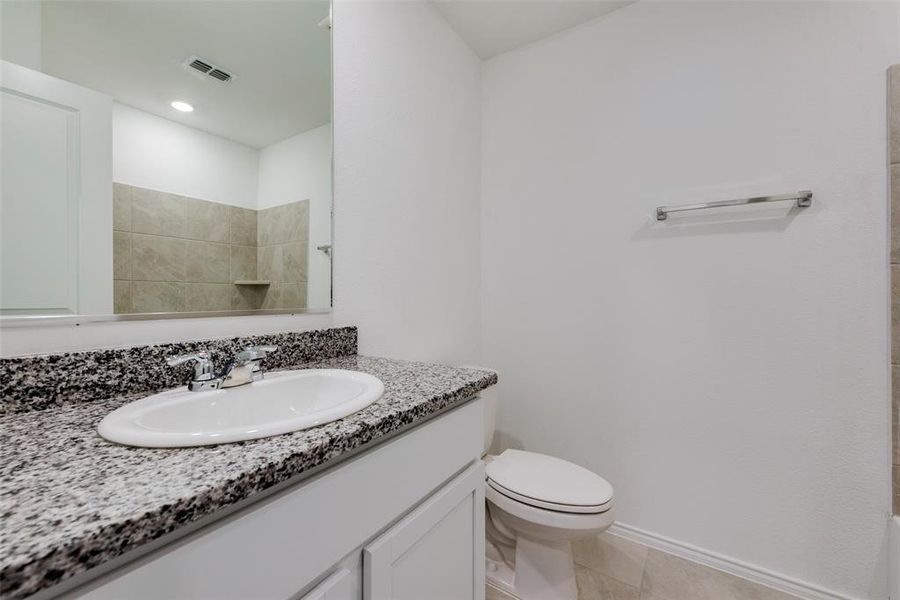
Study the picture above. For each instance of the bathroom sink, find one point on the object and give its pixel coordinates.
(280, 403)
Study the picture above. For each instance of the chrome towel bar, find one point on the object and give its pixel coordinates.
(803, 199)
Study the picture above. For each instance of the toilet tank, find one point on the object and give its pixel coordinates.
(489, 401)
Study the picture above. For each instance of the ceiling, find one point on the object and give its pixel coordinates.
(133, 51)
(492, 27)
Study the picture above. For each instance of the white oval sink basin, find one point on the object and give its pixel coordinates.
(280, 403)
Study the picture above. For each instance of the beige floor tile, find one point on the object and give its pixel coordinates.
(492, 593)
(668, 577)
(613, 556)
(596, 586)
(591, 586)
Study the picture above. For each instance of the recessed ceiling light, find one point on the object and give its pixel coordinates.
(182, 106)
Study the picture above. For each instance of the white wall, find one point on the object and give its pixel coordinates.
(727, 374)
(20, 32)
(407, 171)
(299, 168)
(152, 152)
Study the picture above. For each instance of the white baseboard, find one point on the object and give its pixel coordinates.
(765, 577)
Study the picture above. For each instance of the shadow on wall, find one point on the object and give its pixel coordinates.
(504, 441)
(776, 216)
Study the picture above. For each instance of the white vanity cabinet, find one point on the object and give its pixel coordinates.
(340, 585)
(437, 551)
(404, 520)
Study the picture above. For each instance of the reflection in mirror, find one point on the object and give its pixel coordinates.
(165, 157)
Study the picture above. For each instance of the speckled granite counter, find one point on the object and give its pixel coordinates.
(70, 501)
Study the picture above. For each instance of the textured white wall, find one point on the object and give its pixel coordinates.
(407, 172)
(299, 168)
(727, 373)
(155, 153)
(20, 32)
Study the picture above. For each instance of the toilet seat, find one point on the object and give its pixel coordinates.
(534, 502)
(549, 483)
(540, 523)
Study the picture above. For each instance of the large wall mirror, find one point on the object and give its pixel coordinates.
(167, 158)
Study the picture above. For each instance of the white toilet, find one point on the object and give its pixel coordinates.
(536, 506)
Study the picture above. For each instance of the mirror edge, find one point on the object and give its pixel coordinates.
(8, 322)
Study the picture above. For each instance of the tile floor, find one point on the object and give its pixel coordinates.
(612, 568)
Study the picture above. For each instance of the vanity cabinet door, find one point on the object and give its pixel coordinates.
(437, 551)
(338, 586)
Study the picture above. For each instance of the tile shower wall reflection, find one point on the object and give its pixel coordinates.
(177, 254)
(894, 183)
(283, 238)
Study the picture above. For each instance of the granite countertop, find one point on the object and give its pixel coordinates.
(70, 500)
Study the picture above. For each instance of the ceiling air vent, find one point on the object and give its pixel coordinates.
(220, 74)
(200, 65)
(207, 68)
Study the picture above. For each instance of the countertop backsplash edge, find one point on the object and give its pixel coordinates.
(38, 382)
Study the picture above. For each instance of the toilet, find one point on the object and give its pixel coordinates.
(536, 506)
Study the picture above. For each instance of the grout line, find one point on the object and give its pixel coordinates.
(185, 239)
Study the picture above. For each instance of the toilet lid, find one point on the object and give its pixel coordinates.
(548, 482)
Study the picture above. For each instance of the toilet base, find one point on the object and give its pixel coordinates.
(529, 551)
(542, 571)
(501, 576)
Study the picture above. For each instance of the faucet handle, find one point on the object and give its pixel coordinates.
(174, 361)
(256, 352)
(203, 370)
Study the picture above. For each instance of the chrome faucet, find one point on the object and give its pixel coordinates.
(244, 367)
